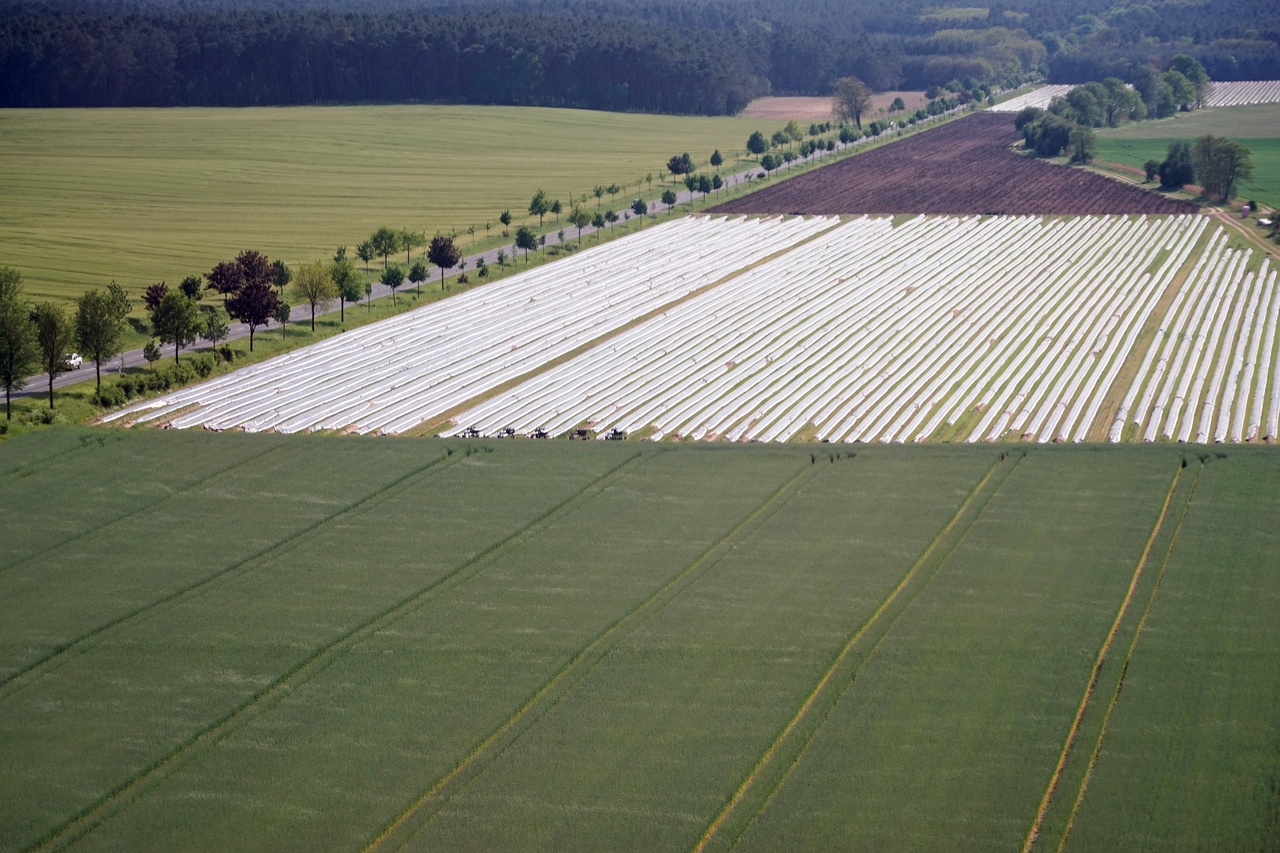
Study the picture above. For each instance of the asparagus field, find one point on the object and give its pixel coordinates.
(841, 330)
(488, 645)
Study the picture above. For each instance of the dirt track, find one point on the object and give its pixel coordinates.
(964, 166)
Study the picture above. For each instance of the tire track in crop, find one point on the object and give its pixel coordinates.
(137, 511)
(414, 819)
(137, 786)
(799, 732)
(1124, 667)
(1074, 730)
(87, 442)
(30, 673)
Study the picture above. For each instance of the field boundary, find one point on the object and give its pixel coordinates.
(409, 823)
(950, 536)
(1124, 667)
(1090, 687)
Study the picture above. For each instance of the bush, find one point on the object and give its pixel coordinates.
(110, 396)
(203, 364)
(225, 353)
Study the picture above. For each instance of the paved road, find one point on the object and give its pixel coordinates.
(39, 384)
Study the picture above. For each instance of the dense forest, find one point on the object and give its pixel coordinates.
(671, 56)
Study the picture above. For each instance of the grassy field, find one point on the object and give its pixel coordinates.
(1256, 127)
(140, 195)
(585, 646)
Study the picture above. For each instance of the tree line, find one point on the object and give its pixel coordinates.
(636, 55)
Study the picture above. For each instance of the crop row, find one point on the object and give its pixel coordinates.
(391, 376)
(877, 332)
(1243, 92)
(1206, 374)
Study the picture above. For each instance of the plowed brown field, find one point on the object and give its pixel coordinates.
(964, 166)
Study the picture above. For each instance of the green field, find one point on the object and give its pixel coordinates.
(144, 195)
(255, 642)
(1256, 127)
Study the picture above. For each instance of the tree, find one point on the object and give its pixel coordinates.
(100, 326)
(348, 282)
(525, 239)
(410, 240)
(384, 243)
(852, 98)
(757, 144)
(18, 351)
(611, 217)
(716, 159)
(539, 206)
(418, 274)
(282, 275)
(638, 207)
(444, 254)
(704, 185)
(598, 222)
(215, 329)
(54, 333)
(1191, 68)
(579, 218)
(191, 287)
(556, 209)
(716, 182)
(1082, 145)
(1178, 168)
(779, 138)
(153, 294)
(226, 278)
(176, 320)
(314, 284)
(598, 192)
(897, 106)
(505, 219)
(669, 198)
(691, 184)
(281, 315)
(680, 164)
(393, 277)
(613, 190)
(364, 251)
(254, 305)
(1220, 165)
(1151, 168)
(151, 352)
(768, 162)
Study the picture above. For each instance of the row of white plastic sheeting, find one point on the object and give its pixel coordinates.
(1210, 374)
(1242, 93)
(936, 327)
(1036, 98)
(391, 376)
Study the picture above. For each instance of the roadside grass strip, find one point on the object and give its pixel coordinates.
(232, 645)
(775, 763)
(1209, 374)
(1091, 716)
(880, 331)
(1190, 756)
(989, 660)
(390, 376)
(1238, 93)
(1036, 98)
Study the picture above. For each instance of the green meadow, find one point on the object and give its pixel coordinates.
(1255, 127)
(253, 641)
(147, 195)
